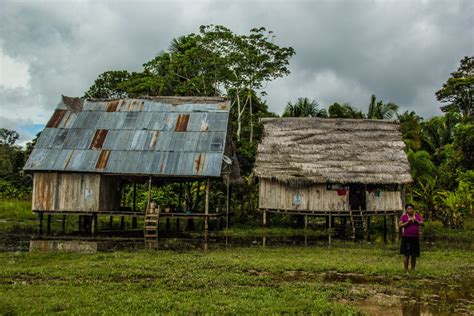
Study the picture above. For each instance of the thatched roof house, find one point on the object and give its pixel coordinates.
(314, 164)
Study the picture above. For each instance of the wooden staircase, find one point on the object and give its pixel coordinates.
(150, 227)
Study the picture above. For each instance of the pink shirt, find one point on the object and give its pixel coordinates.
(412, 229)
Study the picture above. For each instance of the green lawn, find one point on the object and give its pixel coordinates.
(239, 280)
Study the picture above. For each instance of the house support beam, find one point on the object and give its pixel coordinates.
(206, 210)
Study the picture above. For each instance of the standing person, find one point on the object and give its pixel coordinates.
(410, 246)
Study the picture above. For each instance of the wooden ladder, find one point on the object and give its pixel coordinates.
(150, 227)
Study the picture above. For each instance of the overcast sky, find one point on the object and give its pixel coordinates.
(401, 51)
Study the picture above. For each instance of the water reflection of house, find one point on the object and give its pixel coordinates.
(338, 168)
(91, 149)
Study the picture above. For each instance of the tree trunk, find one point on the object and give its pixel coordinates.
(239, 116)
(251, 119)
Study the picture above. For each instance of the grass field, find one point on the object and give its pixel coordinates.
(248, 280)
(240, 280)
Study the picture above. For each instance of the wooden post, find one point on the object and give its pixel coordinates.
(111, 222)
(368, 228)
(180, 197)
(227, 204)
(79, 223)
(264, 221)
(63, 225)
(40, 223)
(385, 226)
(330, 228)
(394, 228)
(93, 224)
(134, 203)
(343, 224)
(48, 228)
(206, 211)
(149, 195)
(306, 222)
(134, 222)
(352, 223)
(122, 223)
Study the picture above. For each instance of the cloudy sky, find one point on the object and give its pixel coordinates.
(401, 51)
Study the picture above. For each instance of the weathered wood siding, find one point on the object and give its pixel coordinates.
(75, 192)
(277, 195)
(109, 199)
(385, 201)
(66, 192)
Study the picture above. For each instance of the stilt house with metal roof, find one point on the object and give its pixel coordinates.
(90, 147)
(331, 167)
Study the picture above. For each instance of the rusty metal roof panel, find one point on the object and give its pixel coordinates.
(67, 120)
(111, 120)
(94, 106)
(38, 160)
(213, 164)
(82, 160)
(62, 160)
(78, 138)
(45, 140)
(59, 139)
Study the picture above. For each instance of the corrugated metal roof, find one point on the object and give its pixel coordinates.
(167, 136)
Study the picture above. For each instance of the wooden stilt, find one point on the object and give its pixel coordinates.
(134, 202)
(149, 195)
(48, 227)
(122, 223)
(306, 222)
(111, 222)
(63, 225)
(134, 222)
(79, 223)
(368, 228)
(264, 220)
(330, 228)
(94, 224)
(206, 210)
(40, 223)
(180, 197)
(352, 223)
(227, 204)
(385, 227)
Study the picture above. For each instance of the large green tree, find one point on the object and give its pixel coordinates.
(458, 92)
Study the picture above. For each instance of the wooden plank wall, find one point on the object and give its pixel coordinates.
(109, 198)
(276, 195)
(387, 201)
(65, 192)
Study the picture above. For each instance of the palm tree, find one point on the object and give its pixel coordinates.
(439, 131)
(304, 107)
(411, 129)
(346, 110)
(380, 110)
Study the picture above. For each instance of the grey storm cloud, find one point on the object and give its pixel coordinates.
(401, 51)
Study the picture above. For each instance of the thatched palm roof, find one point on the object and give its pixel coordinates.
(315, 150)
